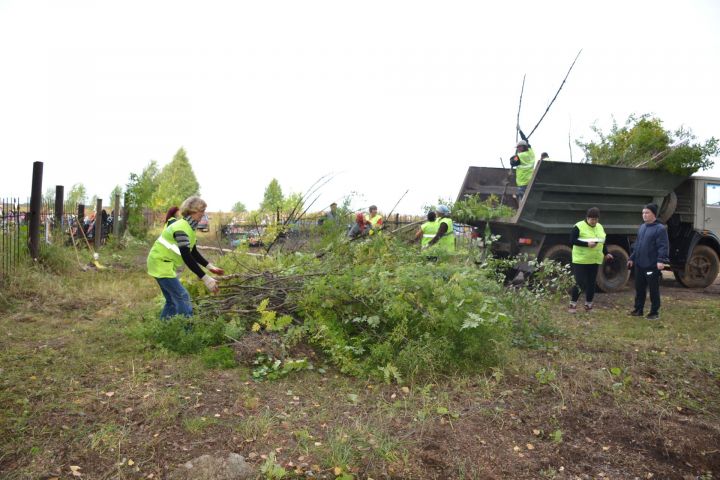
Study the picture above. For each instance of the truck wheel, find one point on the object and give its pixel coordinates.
(612, 276)
(701, 269)
(559, 253)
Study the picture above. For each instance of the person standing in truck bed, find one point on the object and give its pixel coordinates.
(524, 162)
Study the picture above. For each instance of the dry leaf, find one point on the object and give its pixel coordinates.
(530, 446)
(109, 394)
(130, 462)
(75, 471)
(337, 471)
(516, 448)
(536, 432)
(605, 449)
(405, 390)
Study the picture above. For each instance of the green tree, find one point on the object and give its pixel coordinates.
(175, 182)
(49, 196)
(77, 194)
(115, 191)
(643, 142)
(273, 198)
(239, 207)
(139, 192)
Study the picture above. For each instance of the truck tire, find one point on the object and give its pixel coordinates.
(559, 253)
(701, 269)
(612, 276)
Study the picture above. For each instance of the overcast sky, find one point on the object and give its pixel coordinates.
(387, 95)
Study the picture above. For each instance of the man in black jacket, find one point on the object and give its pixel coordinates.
(649, 255)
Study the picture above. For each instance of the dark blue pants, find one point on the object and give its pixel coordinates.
(177, 299)
(647, 279)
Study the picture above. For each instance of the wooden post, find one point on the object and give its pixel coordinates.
(59, 213)
(35, 206)
(98, 224)
(116, 217)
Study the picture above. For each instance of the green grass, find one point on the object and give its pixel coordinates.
(81, 385)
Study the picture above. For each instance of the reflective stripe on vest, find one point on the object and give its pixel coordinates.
(171, 246)
(526, 167)
(587, 255)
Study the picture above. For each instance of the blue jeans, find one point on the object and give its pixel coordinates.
(521, 192)
(177, 299)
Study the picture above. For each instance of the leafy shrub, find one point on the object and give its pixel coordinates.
(389, 307)
(185, 335)
(222, 357)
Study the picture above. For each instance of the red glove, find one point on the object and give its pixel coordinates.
(215, 270)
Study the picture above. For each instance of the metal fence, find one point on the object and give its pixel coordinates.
(11, 249)
(28, 227)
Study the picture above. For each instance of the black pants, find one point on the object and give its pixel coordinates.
(647, 278)
(584, 281)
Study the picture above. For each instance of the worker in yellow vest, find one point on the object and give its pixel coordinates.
(374, 219)
(588, 252)
(445, 236)
(427, 230)
(524, 162)
(175, 246)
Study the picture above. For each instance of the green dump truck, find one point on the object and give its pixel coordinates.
(560, 193)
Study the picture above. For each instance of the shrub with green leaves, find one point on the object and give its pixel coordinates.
(185, 335)
(392, 312)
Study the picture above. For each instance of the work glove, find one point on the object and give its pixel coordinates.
(214, 269)
(211, 283)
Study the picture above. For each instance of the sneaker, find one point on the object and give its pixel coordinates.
(636, 313)
(588, 308)
(572, 308)
(653, 316)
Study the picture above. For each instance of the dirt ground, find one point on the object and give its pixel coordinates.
(605, 396)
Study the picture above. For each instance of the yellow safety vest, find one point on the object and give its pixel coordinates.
(447, 241)
(526, 167)
(164, 257)
(373, 222)
(587, 255)
(429, 229)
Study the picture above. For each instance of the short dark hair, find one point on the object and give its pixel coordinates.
(372, 207)
(593, 212)
(431, 216)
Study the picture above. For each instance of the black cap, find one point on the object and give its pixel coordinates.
(652, 207)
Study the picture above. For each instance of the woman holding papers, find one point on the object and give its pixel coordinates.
(588, 251)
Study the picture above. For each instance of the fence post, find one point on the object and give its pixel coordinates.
(59, 213)
(125, 213)
(98, 224)
(116, 217)
(35, 206)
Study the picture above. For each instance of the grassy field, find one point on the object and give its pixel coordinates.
(600, 395)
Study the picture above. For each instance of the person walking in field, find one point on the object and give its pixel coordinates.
(587, 238)
(649, 255)
(175, 246)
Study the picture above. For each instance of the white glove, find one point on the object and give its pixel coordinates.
(210, 283)
(215, 270)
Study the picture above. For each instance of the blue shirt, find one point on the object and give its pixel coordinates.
(651, 246)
